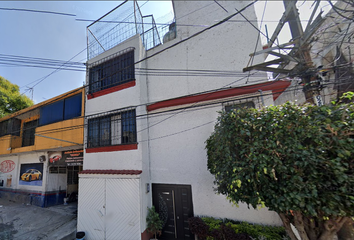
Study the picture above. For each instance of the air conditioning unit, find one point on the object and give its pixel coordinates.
(42, 158)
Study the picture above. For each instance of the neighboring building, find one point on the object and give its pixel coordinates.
(41, 150)
(331, 50)
(150, 109)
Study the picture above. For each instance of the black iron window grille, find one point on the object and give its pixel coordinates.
(73, 174)
(112, 129)
(29, 129)
(114, 71)
(231, 107)
(10, 127)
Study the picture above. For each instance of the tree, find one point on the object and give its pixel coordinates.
(10, 98)
(297, 161)
(153, 221)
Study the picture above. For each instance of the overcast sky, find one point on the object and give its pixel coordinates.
(61, 37)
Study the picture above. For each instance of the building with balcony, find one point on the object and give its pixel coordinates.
(152, 100)
(41, 150)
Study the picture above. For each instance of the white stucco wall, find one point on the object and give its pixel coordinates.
(223, 48)
(171, 148)
(9, 172)
(178, 156)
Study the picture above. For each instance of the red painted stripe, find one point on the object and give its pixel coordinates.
(112, 89)
(276, 87)
(113, 148)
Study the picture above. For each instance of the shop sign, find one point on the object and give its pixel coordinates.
(56, 159)
(74, 157)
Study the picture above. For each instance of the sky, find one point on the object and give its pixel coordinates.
(61, 37)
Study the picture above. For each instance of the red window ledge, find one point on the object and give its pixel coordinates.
(113, 148)
(112, 89)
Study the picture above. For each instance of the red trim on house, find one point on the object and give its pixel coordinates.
(112, 89)
(277, 87)
(113, 148)
(111, 171)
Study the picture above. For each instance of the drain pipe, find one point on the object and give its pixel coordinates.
(261, 92)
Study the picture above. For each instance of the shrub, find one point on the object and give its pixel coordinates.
(228, 232)
(216, 229)
(198, 227)
(216, 234)
(213, 223)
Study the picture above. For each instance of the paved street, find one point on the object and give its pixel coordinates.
(21, 221)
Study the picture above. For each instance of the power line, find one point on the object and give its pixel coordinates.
(38, 11)
(201, 107)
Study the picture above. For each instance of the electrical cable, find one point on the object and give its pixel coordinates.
(37, 11)
(189, 107)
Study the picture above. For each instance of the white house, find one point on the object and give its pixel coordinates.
(151, 106)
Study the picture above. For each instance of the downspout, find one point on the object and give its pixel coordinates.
(261, 93)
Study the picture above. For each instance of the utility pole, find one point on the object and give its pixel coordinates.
(298, 61)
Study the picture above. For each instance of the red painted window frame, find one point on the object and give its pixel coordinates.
(114, 148)
(112, 89)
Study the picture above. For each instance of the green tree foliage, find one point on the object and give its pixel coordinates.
(297, 161)
(10, 98)
(153, 222)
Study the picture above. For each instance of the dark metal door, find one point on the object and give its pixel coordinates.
(175, 207)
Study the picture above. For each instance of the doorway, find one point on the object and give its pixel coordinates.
(174, 205)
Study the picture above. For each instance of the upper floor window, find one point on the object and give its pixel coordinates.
(29, 129)
(10, 127)
(112, 129)
(231, 107)
(113, 72)
(61, 110)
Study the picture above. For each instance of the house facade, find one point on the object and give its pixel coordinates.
(41, 150)
(149, 110)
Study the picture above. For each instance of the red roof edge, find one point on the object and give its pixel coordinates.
(111, 171)
(277, 87)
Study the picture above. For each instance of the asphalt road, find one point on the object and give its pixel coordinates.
(21, 221)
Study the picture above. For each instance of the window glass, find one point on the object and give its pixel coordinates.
(51, 113)
(128, 127)
(114, 129)
(239, 105)
(15, 126)
(93, 129)
(72, 107)
(29, 129)
(113, 72)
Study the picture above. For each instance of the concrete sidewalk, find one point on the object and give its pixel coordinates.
(21, 221)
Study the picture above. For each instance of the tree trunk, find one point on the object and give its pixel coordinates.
(332, 226)
(327, 235)
(347, 231)
(286, 222)
(299, 224)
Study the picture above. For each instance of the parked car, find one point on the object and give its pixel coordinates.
(54, 158)
(31, 174)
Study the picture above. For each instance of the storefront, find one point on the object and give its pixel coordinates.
(42, 178)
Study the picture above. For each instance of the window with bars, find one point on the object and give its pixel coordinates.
(10, 127)
(112, 72)
(231, 107)
(73, 174)
(29, 129)
(57, 169)
(113, 129)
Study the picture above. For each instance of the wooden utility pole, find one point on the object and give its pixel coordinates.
(298, 62)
